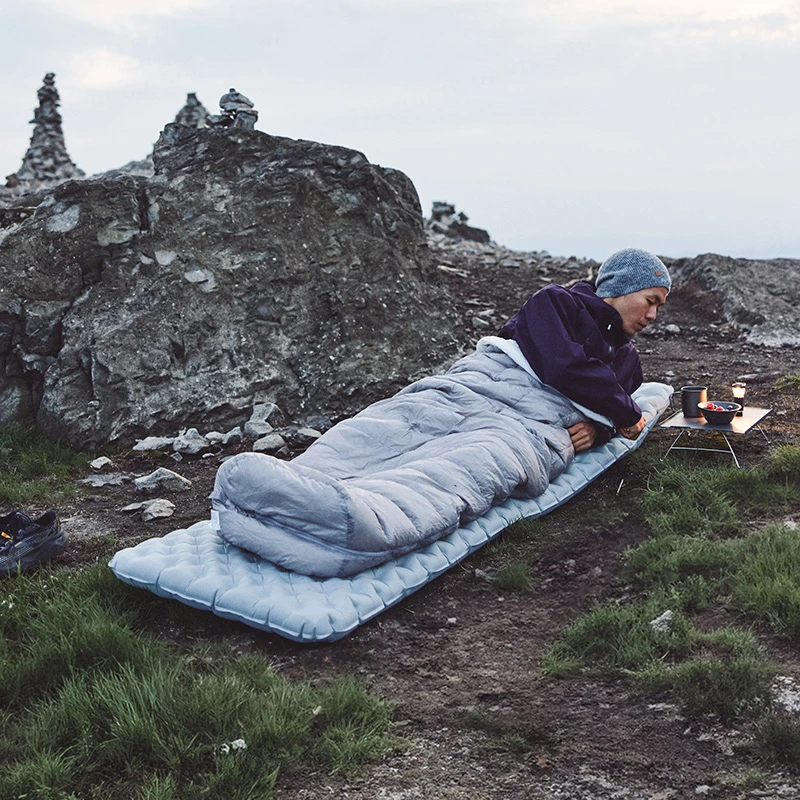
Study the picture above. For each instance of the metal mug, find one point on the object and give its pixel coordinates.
(691, 397)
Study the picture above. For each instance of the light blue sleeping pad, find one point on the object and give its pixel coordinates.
(197, 567)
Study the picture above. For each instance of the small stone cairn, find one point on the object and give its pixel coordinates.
(193, 114)
(237, 112)
(446, 222)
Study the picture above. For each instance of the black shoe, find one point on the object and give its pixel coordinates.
(25, 542)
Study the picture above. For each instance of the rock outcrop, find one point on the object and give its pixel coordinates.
(248, 269)
(760, 297)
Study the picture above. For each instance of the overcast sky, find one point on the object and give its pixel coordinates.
(573, 126)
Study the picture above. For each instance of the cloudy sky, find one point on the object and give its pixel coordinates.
(574, 126)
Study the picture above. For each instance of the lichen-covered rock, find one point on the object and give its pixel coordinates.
(249, 269)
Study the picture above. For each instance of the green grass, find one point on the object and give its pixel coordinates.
(515, 539)
(718, 502)
(785, 462)
(709, 549)
(788, 382)
(766, 580)
(723, 673)
(685, 500)
(727, 687)
(96, 707)
(507, 558)
(515, 576)
(673, 560)
(34, 469)
(612, 637)
(778, 737)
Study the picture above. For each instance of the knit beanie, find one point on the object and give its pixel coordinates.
(629, 271)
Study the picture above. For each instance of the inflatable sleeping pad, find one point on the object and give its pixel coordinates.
(198, 568)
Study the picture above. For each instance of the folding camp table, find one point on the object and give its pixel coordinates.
(750, 419)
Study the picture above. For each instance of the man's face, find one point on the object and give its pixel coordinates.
(638, 309)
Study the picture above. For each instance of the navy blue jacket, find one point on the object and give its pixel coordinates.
(574, 341)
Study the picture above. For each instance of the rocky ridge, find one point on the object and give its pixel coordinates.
(249, 268)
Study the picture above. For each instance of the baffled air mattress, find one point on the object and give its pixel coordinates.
(199, 568)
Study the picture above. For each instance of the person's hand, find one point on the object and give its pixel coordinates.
(582, 435)
(634, 430)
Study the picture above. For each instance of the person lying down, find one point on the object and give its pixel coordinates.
(503, 421)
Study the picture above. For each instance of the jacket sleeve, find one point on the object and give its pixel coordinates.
(567, 350)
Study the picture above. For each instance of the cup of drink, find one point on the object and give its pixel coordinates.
(691, 397)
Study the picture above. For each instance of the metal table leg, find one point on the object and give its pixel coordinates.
(735, 460)
(705, 449)
(672, 446)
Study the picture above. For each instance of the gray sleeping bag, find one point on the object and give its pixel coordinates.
(402, 473)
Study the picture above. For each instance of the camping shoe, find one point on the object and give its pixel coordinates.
(25, 542)
(11, 524)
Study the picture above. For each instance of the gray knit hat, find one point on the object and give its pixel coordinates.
(629, 271)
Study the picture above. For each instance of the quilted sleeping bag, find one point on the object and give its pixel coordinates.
(404, 472)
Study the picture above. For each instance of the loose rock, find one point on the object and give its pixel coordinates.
(154, 443)
(232, 436)
(272, 443)
(163, 478)
(257, 428)
(663, 623)
(110, 479)
(152, 509)
(190, 443)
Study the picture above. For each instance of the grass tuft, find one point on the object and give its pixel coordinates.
(785, 462)
(778, 738)
(514, 577)
(685, 501)
(672, 560)
(716, 503)
(788, 382)
(619, 638)
(35, 469)
(766, 582)
(726, 687)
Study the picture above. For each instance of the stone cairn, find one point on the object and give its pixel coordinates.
(446, 222)
(193, 114)
(47, 162)
(237, 112)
